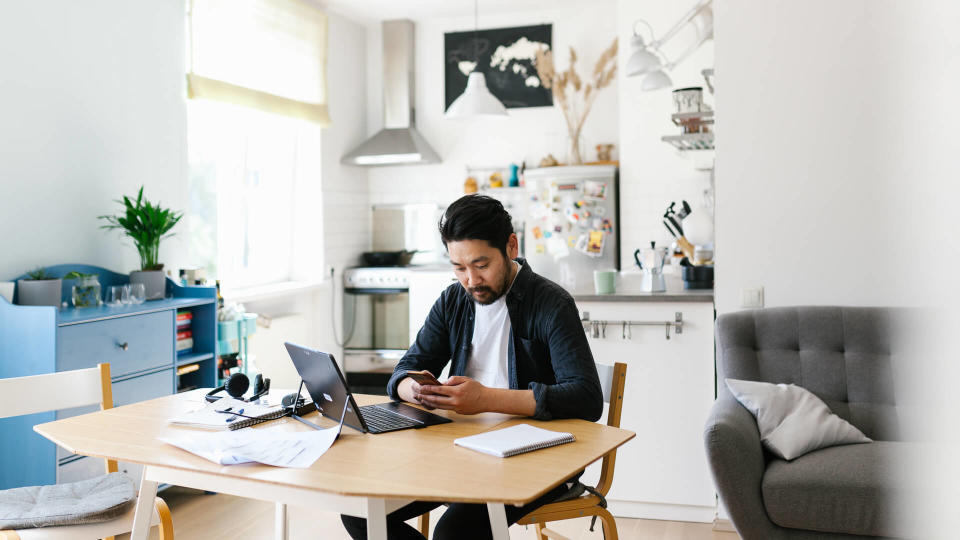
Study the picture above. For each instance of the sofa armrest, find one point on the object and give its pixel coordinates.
(737, 463)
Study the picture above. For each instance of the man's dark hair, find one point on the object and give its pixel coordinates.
(477, 217)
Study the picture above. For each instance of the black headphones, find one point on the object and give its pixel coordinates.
(237, 385)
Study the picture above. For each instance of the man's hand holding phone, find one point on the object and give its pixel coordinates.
(462, 395)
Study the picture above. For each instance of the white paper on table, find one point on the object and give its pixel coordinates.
(271, 446)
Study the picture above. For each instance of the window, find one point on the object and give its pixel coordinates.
(257, 89)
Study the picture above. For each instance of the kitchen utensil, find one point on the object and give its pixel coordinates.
(651, 260)
(675, 222)
(387, 258)
(685, 211)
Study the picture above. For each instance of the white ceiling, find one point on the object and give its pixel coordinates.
(371, 11)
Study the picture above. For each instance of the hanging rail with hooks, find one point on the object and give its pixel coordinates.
(598, 328)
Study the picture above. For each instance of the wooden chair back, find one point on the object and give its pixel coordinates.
(57, 391)
(612, 380)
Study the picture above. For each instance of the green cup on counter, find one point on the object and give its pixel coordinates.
(604, 281)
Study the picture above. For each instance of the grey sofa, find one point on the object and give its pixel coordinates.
(844, 356)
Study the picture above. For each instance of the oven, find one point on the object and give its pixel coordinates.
(376, 307)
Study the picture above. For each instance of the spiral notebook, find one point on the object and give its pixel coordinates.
(514, 440)
(212, 416)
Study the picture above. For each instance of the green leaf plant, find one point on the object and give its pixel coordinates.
(39, 274)
(146, 224)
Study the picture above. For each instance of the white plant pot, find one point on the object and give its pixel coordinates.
(154, 282)
(43, 292)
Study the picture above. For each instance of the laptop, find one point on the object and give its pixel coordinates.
(328, 389)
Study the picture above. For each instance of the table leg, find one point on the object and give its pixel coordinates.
(280, 521)
(376, 519)
(144, 510)
(498, 521)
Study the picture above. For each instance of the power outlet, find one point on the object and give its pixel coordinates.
(751, 297)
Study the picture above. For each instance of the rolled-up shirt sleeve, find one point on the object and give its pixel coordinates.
(576, 392)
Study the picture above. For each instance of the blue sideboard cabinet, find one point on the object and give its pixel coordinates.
(139, 342)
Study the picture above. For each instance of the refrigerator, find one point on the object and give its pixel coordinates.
(570, 222)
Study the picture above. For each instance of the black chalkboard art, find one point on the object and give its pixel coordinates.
(506, 57)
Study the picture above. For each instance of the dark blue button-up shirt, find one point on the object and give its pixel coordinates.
(548, 350)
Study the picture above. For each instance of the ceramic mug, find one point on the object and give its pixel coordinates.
(604, 281)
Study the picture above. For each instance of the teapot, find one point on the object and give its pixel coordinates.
(651, 260)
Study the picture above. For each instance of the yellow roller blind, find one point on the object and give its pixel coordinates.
(270, 55)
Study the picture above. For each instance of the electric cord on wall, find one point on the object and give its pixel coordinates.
(333, 314)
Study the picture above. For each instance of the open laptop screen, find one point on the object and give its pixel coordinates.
(325, 384)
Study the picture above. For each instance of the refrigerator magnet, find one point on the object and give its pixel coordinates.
(595, 190)
(558, 248)
(537, 233)
(595, 244)
(540, 249)
(547, 234)
(581, 244)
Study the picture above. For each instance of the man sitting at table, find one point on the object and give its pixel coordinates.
(516, 344)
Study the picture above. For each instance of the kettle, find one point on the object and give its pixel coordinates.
(651, 260)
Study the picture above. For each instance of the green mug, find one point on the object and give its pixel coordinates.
(604, 281)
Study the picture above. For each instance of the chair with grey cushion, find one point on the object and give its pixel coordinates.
(99, 507)
(845, 357)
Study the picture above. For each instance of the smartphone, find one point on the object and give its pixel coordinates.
(423, 377)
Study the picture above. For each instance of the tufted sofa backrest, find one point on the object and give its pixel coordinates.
(841, 354)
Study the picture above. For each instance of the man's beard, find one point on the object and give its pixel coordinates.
(491, 294)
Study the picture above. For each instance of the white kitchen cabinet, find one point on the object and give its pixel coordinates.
(663, 472)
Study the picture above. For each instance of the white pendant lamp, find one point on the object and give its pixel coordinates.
(476, 99)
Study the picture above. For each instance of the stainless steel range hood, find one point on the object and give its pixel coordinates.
(398, 143)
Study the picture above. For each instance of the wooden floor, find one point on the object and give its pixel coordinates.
(209, 517)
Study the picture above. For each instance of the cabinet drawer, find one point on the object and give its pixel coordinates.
(148, 341)
(124, 393)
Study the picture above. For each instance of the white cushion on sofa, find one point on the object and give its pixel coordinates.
(792, 420)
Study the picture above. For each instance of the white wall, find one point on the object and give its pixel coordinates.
(652, 173)
(528, 134)
(91, 108)
(830, 146)
(837, 181)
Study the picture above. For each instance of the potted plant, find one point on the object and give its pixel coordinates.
(39, 289)
(86, 290)
(146, 224)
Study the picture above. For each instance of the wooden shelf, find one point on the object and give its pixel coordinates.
(191, 358)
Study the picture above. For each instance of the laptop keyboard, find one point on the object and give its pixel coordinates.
(379, 419)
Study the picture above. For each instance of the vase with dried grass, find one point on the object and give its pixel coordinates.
(571, 95)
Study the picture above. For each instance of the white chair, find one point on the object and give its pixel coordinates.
(65, 390)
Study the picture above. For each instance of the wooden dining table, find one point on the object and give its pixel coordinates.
(362, 474)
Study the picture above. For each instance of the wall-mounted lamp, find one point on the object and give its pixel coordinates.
(649, 60)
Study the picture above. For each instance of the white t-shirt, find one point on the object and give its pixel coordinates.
(491, 338)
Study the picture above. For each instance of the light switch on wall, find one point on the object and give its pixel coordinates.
(751, 297)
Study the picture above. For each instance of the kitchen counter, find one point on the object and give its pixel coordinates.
(628, 290)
